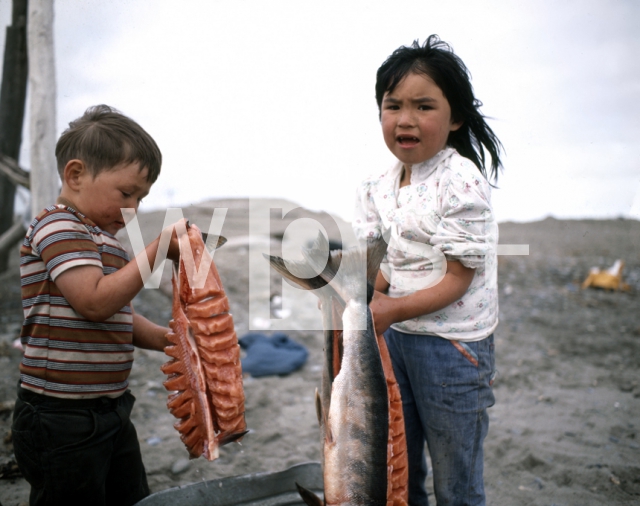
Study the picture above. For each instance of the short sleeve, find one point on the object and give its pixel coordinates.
(467, 230)
(366, 221)
(63, 242)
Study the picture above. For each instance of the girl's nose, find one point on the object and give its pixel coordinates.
(406, 117)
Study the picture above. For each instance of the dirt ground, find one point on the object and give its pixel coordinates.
(565, 429)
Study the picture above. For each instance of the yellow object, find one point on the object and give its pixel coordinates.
(609, 279)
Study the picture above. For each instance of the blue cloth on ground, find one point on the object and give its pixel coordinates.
(269, 355)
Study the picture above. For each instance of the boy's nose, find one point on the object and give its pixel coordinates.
(134, 203)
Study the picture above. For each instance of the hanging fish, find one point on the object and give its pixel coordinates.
(205, 375)
(359, 408)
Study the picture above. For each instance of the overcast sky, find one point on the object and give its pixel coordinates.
(255, 98)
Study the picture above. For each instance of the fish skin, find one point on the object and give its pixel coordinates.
(356, 432)
(353, 406)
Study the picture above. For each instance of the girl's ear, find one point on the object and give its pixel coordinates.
(73, 174)
(455, 126)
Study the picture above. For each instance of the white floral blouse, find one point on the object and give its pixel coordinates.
(444, 213)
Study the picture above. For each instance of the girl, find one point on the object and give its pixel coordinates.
(436, 295)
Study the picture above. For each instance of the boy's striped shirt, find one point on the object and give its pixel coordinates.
(67, 355)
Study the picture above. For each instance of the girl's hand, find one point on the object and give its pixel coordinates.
(383, 309)
(388, 310)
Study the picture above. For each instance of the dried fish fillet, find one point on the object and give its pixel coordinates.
(397, 462)
(204, 373)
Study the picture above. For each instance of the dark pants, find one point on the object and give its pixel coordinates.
(446, 390)
(78, 451)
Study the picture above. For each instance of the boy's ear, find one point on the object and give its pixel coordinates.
(73, 173)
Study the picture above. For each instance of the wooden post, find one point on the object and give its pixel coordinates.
(42, 93)
(13, 93)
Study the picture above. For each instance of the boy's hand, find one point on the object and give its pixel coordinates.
(174, 244)
(148, 335)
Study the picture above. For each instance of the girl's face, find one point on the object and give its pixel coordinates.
(416, 119)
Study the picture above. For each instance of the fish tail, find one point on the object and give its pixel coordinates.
(346, 269)
(376, 250)
(351, 273)
(231, 437)
(300, 273)
(309, 497)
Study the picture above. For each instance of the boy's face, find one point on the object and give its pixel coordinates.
(416, 119)
(101, 198)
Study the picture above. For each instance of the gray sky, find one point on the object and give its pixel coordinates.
(254, 98)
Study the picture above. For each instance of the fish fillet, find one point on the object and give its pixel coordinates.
(397, 462)
(204, 373)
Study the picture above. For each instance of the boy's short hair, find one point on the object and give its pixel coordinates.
(103, 138)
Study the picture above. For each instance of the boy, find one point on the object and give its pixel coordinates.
(72, 436)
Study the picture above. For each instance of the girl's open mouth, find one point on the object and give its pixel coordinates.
(407, 140)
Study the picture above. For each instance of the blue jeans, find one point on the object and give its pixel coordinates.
(78, 452)
(446, 390)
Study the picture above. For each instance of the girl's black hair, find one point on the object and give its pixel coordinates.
(437, 60)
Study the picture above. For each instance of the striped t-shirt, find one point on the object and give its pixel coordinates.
(67, 355)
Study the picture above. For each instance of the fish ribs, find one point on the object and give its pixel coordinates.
(204, 373)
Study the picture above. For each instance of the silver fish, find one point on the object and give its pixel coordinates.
(362, 437)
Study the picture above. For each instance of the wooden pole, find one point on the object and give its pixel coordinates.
(42, 93)
(10, 168)
(12, 236)
(13, 92)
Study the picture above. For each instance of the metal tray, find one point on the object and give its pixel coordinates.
(259, 489)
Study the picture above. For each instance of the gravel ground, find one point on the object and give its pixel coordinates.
(564, 429)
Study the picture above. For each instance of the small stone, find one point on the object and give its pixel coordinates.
(7, 406)
(153, 441)
(180, 466)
